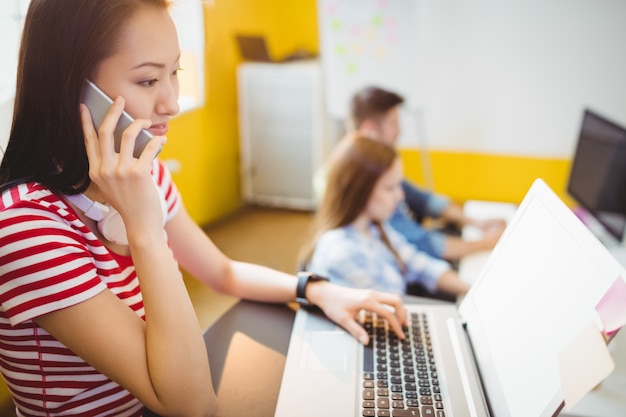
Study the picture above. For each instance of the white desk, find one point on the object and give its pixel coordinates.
(609, 398)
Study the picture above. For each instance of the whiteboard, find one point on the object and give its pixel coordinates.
(365, 42)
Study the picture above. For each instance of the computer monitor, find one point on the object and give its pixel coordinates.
(597, 178)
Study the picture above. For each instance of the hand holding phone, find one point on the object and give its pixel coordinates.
(99, 104)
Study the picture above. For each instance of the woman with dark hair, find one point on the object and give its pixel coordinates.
(91, 324)
(352, 242)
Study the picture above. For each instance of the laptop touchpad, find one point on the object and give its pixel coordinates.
(327, 350)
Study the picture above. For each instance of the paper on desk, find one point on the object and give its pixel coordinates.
(485, 210)
(612, 307)
(584, 364)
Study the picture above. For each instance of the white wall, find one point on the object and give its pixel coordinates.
(10, 27)
(6, 112)
(513, 77)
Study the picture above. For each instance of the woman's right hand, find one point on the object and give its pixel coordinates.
(342, 305)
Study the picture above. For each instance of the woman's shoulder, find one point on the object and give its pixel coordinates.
(337, 244)
(334, 249)
(32, 195)
(36, 209)
(339, 234)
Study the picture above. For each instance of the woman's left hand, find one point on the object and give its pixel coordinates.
(342, 305)
(123, 181)
(487, 225)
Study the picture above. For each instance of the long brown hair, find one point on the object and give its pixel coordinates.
(354, 168)
(62, 43)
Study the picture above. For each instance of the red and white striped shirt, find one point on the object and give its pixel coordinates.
(50, 260)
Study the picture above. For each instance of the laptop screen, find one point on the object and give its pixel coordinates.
(553, 260)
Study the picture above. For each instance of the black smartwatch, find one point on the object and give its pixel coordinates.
(303, 280)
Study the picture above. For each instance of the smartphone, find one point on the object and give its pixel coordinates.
(99, 104)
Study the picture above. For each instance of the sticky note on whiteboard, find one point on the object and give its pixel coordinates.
(584, 364)
(612, 307)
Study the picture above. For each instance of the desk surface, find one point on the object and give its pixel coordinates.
(247, 347)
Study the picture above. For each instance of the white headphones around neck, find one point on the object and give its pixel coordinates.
(109, 221)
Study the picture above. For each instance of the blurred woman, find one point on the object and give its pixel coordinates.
(352, 242)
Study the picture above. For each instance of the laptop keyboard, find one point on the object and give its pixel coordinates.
(400, 376)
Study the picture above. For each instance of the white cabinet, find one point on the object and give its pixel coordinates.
(281, 130)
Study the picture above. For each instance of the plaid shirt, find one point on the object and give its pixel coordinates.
(350, 258)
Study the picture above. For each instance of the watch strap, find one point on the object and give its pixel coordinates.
(304, 278)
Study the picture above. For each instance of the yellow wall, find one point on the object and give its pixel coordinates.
(464, 175)
(205, 141)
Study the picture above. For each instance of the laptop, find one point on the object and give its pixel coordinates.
(254, 48)
(495, 354)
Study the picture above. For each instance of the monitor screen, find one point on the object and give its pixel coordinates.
(598, 174)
